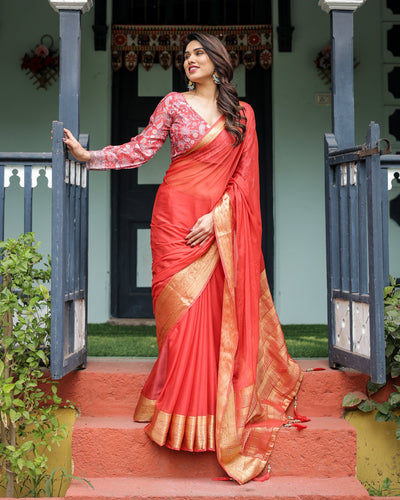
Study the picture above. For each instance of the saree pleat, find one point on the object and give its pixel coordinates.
(182, 409)
(223, 379)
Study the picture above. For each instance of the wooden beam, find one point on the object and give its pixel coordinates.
(285, 28)
(342, 77)
(100, 27)
(70, 69)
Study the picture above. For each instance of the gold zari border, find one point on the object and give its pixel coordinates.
(181, 432)
(223, 232)
(181, 291)
(245, 437)
(144, 409)
(209, 137)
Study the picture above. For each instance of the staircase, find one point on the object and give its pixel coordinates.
(121, 462)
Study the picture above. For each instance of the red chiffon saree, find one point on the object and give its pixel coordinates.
(223, 379)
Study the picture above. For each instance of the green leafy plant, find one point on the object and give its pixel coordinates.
(392, 328)
(28, 421)
(383, 491)
(45, 484)
(388, 410)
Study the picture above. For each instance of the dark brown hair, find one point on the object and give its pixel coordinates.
(227, 100)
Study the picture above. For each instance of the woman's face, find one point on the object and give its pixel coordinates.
(197, 65)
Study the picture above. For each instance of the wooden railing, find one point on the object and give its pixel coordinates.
(27, 166)
(69, 241)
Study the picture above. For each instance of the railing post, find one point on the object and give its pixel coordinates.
(58, 264)
(70, 59)
(342, 64)
(376, 256)
(332, 241)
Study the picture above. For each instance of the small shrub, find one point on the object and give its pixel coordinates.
(387, 411)
(28, 421)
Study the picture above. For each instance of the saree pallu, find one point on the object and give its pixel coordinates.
(223, 379)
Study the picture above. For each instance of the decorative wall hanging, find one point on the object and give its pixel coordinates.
(323, 64)
(42, 63)
(248, 45)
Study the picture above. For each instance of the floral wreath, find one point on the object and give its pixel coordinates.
(323, 64)
(42, 64)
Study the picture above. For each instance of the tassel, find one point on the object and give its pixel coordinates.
(222, 479)
(299, 418)
(295, 423)
(299, 426)
(315, 369)
(262, 478)
(302, 418)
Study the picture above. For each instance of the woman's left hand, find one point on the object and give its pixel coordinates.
(201, 231)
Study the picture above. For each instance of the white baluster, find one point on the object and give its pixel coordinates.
(9, 172)
(36, 173)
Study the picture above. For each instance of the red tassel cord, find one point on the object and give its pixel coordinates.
(301, 418)
(265, 477)
(297, 417)
(296, 422)
(222, 479)
(298, 425)
(291, 422)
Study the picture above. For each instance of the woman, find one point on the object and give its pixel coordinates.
(223, 378)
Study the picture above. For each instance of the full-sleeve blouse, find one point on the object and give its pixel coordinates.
(174, 117)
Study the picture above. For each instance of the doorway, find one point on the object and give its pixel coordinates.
(135, 95)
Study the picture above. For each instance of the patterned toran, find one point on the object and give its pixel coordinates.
(246, 45)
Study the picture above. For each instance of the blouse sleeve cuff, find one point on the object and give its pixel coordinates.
(97, 160)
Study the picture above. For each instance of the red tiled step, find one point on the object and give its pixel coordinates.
(111, 386)
(321, 392)
(117, 446)
(276, 488)
(108, 386)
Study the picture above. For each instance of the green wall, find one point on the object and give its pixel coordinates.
(25, 125)
(298, 128)
(299, 125)
(96, 120)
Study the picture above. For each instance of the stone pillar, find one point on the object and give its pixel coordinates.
(70, 59)
(341, 13)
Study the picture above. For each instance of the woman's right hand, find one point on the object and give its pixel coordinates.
(77, 151)
(201, 231)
